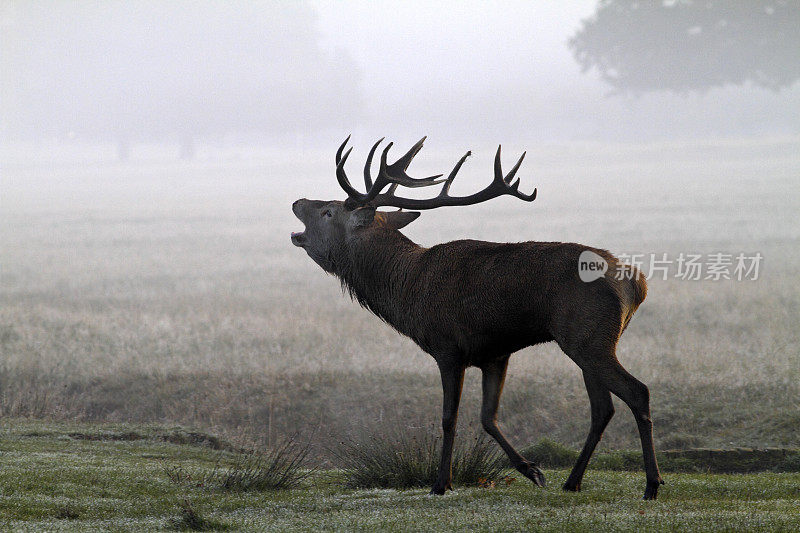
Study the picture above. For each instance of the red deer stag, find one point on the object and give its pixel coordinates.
(475, 303)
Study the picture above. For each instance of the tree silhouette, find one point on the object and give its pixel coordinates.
(685, 45)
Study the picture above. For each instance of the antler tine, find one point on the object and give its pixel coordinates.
(381, 181)
(452, 176)
(341, 177)
(341, 147)
(527, 197)
(513, 171)
(396, 172)
(368, 164)
(498, 169)
(403, 162)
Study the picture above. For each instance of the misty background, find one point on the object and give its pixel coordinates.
(150, 153)
(305, 74)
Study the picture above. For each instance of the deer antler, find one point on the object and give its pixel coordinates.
(395, 174)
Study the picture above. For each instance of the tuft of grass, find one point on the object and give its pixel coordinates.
(791, 463)
(625, 460)
(550, 454)
(191, 520)
(68, 512)
(401, 460)
(282, 467)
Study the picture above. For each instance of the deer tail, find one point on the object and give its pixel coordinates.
(637, 290)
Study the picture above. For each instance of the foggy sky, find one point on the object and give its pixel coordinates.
(456, 70)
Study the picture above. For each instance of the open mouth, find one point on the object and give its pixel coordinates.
(299, 238)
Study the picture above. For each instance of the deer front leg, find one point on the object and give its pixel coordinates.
(494, 375)
(452, 383)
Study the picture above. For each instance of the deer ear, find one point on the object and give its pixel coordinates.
(399, 219)
(363, 216)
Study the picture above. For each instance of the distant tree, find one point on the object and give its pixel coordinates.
(177, 70)
(686, 45)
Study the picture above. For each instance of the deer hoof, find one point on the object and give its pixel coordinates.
(533, 473)
(651, 491)
(440, 489)
(570, 487)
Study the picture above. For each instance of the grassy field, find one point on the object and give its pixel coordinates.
(136, 297)
(64, 476)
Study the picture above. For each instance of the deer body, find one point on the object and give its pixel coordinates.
(474, 303)
(478, 300)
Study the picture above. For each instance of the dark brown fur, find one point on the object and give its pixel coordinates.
(474, 303)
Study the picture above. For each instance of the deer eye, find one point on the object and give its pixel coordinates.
(327, 213)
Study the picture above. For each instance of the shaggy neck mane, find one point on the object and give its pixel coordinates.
(378, 270)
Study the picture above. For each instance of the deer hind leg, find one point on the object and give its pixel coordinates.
(636, 396)
(602, 410)
(494, 375)
(452, 383)
(593, 348)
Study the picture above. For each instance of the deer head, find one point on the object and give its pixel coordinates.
(329, 225)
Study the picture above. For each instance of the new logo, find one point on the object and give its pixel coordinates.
(591, 266)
